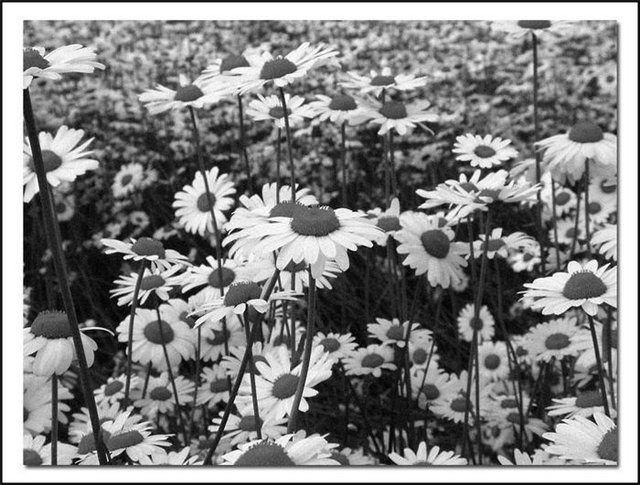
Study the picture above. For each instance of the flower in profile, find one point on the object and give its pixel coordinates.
(391, 332)
(338, 109)
(503, 246)
(174, 458)
(385, 80)
(584, 286)
(579, 438)
(212, 280)
(372, 359)
(281, 70)
(277, 383)
(540, 28)
(483, 152)
(270, 108)
(430, 248)
(62, 157)
(51, 339)
(113, 390)
(434, 457)
(555, 339)
(606, 241)
(192, 203)
(467, 323)
(388, 221)
(159, 397)
(158, 282)
(288, 450)
(188, 94)
(398, 116)
(220, 71)
(148, 249)
(81, 424)
(566, 154)
(65, 59)
(338, 346)
(243, 426)
(36, 453)
(585, 404)
(36, 404)
(149, 333)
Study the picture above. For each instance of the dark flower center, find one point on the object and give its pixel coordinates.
(585, 132)
(508, 403)
(468, 187)
(146, 246)
(51, 325)
(152, 282)
(203, 202)
(484, 151)
(372, 361)
(340, 458)
(436, 243)
(124, 440)
(527, 257)
(608, 447)
(460, 404)
(50, 160)
(220, 279)
(608, 187)
(232, 61)
(521, 351)
(389, 223)
(25, 414)
(188, 93)
(285, 386)
(31, 457)
(557, 341)
(281, 340)
(395, 332)
(514, 418)
(492, 361)
(126, 179)
(61, 207)
(382, 80)
(394, 110)
(242, 292)
(277, 68)
(589, 399)
(249, 423)
(419, 356)
(562, 198)
(313, 221)
(277, 112)
(113, 387)
(88, 443)
(156, 330)
(594, 207)
(571, 232)
(342, 102)
(292, 267)
(219, 337)
(284, 209)
(219, 385)
(32, 58)
(265, 454)
(534, 24)
(476, 323)
(492, 194)
(160, 394)
(493, 244)
(184, 317)
(584, 284)
(431, 392)
(330, 344)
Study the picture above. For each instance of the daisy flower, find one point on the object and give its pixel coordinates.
(288, 450)
(539, 458)
(436, 385)
(585, 404)
(483, 152)
(525, 260)
(430, 248)
(388, 221)
(391, 332)
(585, 286)
(353, 457)
(224, 66)
(603, 187)
(36, 404)
(315, 235)
(600, 208)
(467, 323)
(452, 406)
(554, 339)
(421, 458)
(80, 428)
(51, 339)
(149, 333)
(215, 386)
(492, 357)
(398, 116)
(243, 427)
(270, 108)
(214, 338)
(129, 179)
(146, 249)
(35, 452)
(113, 390)
(62, 157)
(502, 246)
(65, 59)
(174, 458)
(566, 230)
(565, 198)
(540, 28)
(422, 348)
(231, 363)
(211, 278)
(158, 282)
(566, 154)
(300, 273)
(385, 80)
(277, 383)
(606, 241)
(159, 397)
(339, 109)
(282, 71)
(587, 441)
(188, 94)
(192, 203)
(372, 359)
(337, 345)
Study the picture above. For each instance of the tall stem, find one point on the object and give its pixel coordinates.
(596, 349)
(54, 419)
(196, 378)
(587, 230)
(289, 151)
(51, 221)
(134, 305)
(536, 130)
(555, 223)
(343, 160)
(252, 377)
(278, 161)
(243, 146)
(311, 313)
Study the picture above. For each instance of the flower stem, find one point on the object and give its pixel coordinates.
(196, 379)
(278, 162)
(596, 349)
(51, 222)
(134, 305)
(587, 231)
(252, 376)
(289, 151)
(243, 146)
(54, 419)
(343, 160)
(146, 381)
(392, 167)
(307, 354)
(609, 355)
(555, 223)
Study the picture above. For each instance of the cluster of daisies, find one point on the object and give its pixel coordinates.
(219, 364)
